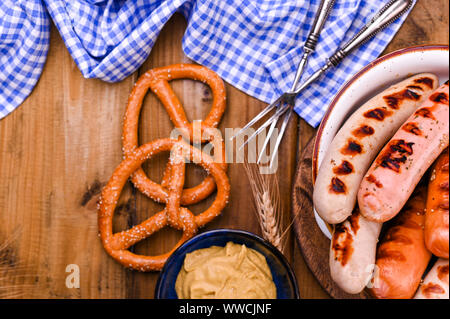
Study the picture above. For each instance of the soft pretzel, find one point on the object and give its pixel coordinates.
(173, 215)
(176, 187)
(158, 81)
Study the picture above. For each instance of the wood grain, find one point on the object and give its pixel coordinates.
(428, 23)
(61, 145)
(196, 98)
(56, 152)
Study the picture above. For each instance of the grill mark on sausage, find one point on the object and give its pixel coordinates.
(342, 244)
(352, 148)
(415, 87)
(431, 289)
(363, 131)
(390, 254)
(345, 168)
(427, 81)
(413, 128)
(395, 100)
(425, 112)
(337, 186)
(444, 186)
(442, 273)
(402, 147)
(439, 97)
(395, 155)
(354, 221)
(367, 194)
(372, 179)
(378, 114)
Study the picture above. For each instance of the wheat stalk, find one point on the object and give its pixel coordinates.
(266, 195)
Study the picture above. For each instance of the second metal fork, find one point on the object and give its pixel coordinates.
(286, 102)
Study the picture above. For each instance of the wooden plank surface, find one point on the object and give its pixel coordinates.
(60, 147)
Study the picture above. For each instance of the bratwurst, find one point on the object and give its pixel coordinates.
(358, 142)
(402, 163)
(436, 217)
(352, 252)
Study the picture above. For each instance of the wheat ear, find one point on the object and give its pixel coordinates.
(266, 195)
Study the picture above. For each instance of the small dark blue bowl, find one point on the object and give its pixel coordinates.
(282, 274)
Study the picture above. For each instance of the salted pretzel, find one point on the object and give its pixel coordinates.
(176, 186)
(157, 80)
(173, 215)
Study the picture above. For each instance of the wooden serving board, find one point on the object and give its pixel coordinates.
(313, 244)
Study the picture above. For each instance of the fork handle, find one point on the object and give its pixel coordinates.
(313, 37)
(388, 14)
(317, 26)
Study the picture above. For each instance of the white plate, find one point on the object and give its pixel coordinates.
(371, 80)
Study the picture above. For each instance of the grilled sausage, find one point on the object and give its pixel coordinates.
(352, 252)
(436, 217)
(404, 160)
(402, 257)
(435, 284)
(358, 142)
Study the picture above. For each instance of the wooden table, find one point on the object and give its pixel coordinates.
(60, 147)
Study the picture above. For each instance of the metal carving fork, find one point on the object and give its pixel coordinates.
(288, 98)
(285, 103)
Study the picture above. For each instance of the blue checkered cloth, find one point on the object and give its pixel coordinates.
(255, 45)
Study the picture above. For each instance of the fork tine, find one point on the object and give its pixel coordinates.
(280, 135)
(274, 117)
(259, 130)
(258, 117)
(266, 141)
(269, 135)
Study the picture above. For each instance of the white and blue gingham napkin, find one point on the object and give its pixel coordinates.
(24, 43)
(255, 45)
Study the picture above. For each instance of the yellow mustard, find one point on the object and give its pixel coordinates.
(231, 272)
